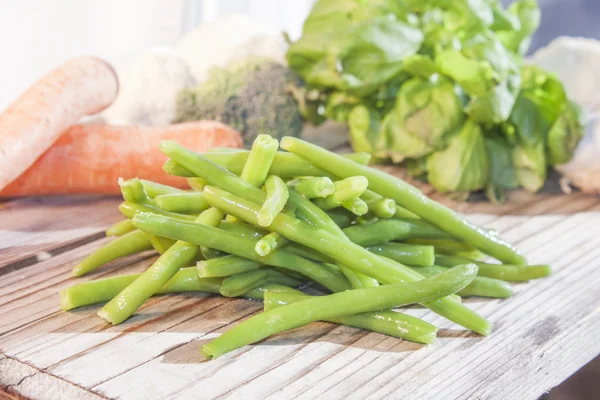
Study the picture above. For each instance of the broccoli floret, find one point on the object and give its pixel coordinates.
(252, 96)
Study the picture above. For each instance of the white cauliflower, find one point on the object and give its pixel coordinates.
(231, 38)
(148, 89)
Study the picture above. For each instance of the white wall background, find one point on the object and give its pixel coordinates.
(37, 35)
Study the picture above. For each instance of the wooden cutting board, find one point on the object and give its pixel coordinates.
(547, 331)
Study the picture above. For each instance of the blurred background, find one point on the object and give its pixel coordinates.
(119, 30)
(38, 35)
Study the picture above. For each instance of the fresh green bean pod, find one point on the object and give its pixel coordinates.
(237, 245)
(386, 322)
(197, 183)
(185, 203)
(178, 256)
(449, 247)
(344, 253)
(154, 189)
(277, 195)
(160, 244)
(130, 209)
(259, 292)
(407, 197)
(407, 254)
(505, 272)
(313, 187)
(367, 219)
(356, 206)
(400, 212)
(126, 245)
(387, 230)
(285, 165)
(103, 290)
(225, 266)
(120, 228)
(481, 286)
(382, 208)
(133, 192)
(345, 189)
(259, 160)
(221, 177)
(269, 243)
(341, 217)
(209, 253)
(315, 308)
(237, 285)
(243, 229)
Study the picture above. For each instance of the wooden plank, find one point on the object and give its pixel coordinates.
(542, 335)
(19, 380)
(32, 229)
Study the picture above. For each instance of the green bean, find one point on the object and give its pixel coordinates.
(120, 228)
(307, 252)
(356, 206)
(160, 244)
(481, 286)
(400, 212)
(172, 167)
(386, 322)
(388, 230)
(285, 165)
(408, 197)
(202, 235)
(357, 279)
(237, 285)
(218, 176)
(341, 217)
(411, 254)
(450, 247)
(209, 253)
(313, 187)
(269, 243)
(185, 203)
(178, 256)
(342, 304)
(154, 189)
(344, 253)
(133, 191)
(367, 219)
(103, 290)
(259, 292)
(130, 209)
(243, 229)
(197, 183)
(383, 208)
(225, 266)
(345, 189)
(277, 195)
(290, 273)
(128, 244)
(259, 160)
(505, 272)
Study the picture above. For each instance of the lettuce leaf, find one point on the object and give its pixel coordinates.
(464, 165)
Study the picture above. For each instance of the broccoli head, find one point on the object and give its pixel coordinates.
(251, 95)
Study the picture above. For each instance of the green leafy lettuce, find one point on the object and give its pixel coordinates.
(440, 86)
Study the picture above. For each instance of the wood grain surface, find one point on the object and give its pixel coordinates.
(547, 331)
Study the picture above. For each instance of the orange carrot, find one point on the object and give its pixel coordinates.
(29, 126)
(91, 158)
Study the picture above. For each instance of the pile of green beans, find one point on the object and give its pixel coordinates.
(264, 223)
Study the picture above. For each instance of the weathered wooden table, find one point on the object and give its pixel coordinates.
(548, 330)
